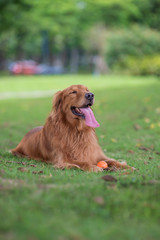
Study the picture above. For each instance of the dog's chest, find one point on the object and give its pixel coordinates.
(82, 147)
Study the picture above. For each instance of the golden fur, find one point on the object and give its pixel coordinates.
(65, 140)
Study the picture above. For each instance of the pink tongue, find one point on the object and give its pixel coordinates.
(89, 117)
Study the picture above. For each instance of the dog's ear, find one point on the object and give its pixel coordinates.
(57, 99)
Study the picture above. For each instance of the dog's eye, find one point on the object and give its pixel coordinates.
(73, 92)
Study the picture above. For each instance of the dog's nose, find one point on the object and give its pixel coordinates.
(89, 96)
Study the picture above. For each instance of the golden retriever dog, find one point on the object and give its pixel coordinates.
(68, 137)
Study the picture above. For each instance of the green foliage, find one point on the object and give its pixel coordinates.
(148, 13)
(12, 15)
(148, 65)
(66, 22)
(134, 46)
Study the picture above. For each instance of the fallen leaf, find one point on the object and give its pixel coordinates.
(126, 173)
(99, 200)
(33, 165)
(137, 127)
(102, 136)
(23, 163)
(158, 153)
(145, 162)
(37, 172)
(158, 110)
(152, 126)
(152, 147)
(147, 120)
(22, 169)
(131, 151)
(114, 140)
(150, 158)
(109, 178)
(143, 148)
(47, 176)
(138, 144)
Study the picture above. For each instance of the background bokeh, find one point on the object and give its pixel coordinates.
(89, 36)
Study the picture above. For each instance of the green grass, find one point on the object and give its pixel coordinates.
(31, 83)
(63, 204)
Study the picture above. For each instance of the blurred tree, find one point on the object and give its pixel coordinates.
(13, 27)
(23, 22)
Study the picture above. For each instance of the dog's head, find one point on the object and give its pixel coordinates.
(73, 104)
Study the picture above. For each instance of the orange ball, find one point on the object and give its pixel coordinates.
(102, 164)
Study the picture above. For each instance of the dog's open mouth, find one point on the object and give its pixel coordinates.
(77, 111)
(86, 113)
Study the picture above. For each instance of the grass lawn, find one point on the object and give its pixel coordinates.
(39, 202)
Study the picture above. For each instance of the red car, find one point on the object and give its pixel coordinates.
(26, 67)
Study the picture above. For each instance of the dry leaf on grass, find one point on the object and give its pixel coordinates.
(144, 148)
(23, 163)
(37, 172)
(22, 169)
(114, 140)
(109, 178)
(126, 173)
(99, 200)
(152, 126)
(47, 176)
(158, 153)
(145, 162)
(33, 165)
(131, 151)
(147, 120)
(137, 127)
